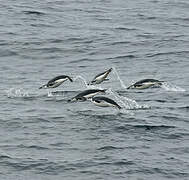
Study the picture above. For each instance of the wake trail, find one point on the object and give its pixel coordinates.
(170, 87)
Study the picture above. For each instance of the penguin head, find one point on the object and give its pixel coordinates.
(44, 86)
(109, 70)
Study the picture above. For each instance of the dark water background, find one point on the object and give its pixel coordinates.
(44, 137)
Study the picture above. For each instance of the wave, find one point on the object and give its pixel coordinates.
(170, 117)
(153, 127)
(20, 164)
(33, 12)
(122, 57)
(7, 52)
(143, 126)
(126, 28)
(166, 53)
(32, 147)
(3, 157)
(47, 49)
(121, 162)
(105, 148)
(81, 60)
(99, 113)
(78, 40)
(121, 42)
(184, 108)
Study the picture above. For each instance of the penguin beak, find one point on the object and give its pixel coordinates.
(104, 91)
(72, 100)
(131, 87)
(91, 83)
(43, 87)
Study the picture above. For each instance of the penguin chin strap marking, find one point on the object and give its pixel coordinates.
(97, 101)
(82, 99)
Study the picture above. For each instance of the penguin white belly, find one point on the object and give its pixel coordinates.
(147, 84)
(103, 104)
(58, 83)
(100, 78)
(61, 80)
(91, 95)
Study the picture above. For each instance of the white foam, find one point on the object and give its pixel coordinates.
(13, 92)
(126, 102)
(50, 94)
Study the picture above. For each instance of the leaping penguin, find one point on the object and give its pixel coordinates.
(87, 94)
(55, 82)
(104, 102)
(100, 77)
(146, 83)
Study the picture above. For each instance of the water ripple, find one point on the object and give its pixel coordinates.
(32, 147)
(33, 12)
(142, 126)
(107, 148)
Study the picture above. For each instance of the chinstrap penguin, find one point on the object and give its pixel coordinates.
(146, 83)
(87, 94)
(100, 77)
(55, 82)
(104, 102)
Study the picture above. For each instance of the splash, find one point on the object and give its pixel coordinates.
(82, 78)
(50, 94)
(118, 77)
(11, 93)
(127, 102)
(86, 84)
(170, 87)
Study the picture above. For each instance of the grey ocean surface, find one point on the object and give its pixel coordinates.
(43, 137)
